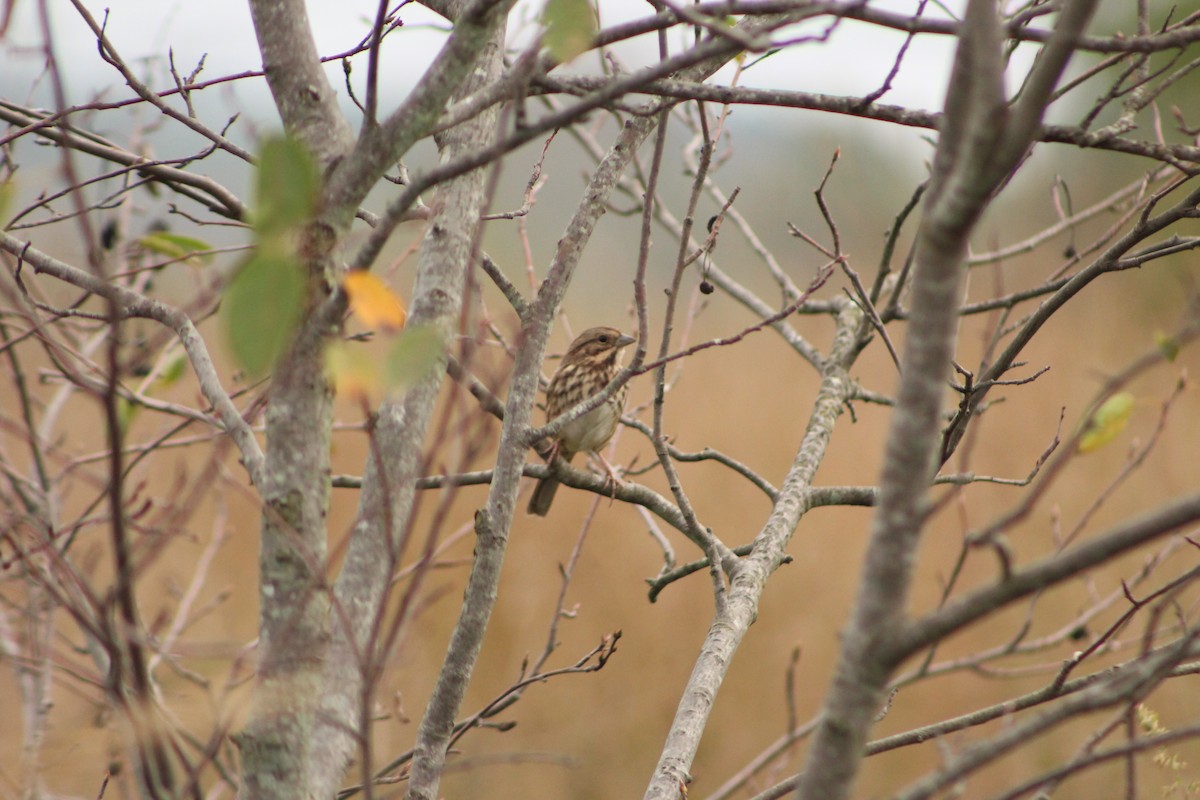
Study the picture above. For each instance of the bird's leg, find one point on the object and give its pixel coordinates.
(553, 452)
(612, 477)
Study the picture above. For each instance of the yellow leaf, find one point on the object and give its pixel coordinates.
(8, 190)
(353, 371)
(375, 305)
(1107, 422)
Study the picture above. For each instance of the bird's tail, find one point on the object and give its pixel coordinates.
(543, 496)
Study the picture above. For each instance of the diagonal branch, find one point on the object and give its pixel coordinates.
(303, 95)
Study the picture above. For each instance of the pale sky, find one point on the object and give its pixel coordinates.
(855, 60)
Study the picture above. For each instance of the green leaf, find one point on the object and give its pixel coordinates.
(262, 308)
(173, 371)
(1166, 345)
(415, 353)
(126, 411)
(173, 245)
(1107, 422)
(263, 304)
(570, 27)
(287, 186)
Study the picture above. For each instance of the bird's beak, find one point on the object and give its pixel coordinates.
(625, 341)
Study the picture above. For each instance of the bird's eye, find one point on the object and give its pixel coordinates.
(604, 338)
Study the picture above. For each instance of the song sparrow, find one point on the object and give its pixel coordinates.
(590, 363)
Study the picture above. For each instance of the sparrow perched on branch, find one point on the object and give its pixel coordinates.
(590, 363)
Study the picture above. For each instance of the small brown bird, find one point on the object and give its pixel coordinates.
(590, 363)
